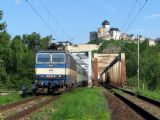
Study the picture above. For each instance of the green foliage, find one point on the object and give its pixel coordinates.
(10, 98)
(2, 24)
(97, 42)
(80, 104)
(18, 57)
(154, 95)
(150, 67)
(149, 64)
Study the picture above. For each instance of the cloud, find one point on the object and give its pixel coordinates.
(17, 2)
(153, 16)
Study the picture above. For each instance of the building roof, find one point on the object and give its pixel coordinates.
(105, 22)
(114, 29)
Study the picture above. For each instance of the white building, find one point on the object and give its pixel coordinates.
(152, 43)
(124, 36)
(141, 38)
(132, 37)
(115, 33)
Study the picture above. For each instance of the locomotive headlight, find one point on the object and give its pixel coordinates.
(41, 76)
(60, 76)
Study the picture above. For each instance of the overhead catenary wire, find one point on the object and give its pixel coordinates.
(54, 19)
(42, 19)
(129, 15)
(129, 26)
(134, 19)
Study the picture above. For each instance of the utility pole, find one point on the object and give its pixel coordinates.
(138, 61)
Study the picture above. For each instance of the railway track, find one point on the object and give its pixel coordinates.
(149, 109)
(147, 99)
(12, 105)
(23, 108)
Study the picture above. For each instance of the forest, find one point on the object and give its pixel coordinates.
(17, 57)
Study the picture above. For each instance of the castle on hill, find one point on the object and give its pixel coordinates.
(107, 33)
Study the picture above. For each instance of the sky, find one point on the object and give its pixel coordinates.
(73, 19)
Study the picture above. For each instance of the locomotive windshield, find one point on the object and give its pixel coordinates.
(43, 57)
(58, 57)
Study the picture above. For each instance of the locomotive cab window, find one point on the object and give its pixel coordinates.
(58, 58)
(43, 58)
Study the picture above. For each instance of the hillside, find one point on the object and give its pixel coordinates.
(149, 67)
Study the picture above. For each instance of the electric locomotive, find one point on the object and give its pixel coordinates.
(57, 70)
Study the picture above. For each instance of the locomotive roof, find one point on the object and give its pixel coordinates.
(59, 51)
(55, 51)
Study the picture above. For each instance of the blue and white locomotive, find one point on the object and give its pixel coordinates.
(57, 70)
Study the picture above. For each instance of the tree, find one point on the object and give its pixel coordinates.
(44, 42)
(4, 46)
(32, 41)
(18, 54)
(2, 24)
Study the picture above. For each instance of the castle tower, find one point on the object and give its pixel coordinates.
(106, 25)
(103, 32)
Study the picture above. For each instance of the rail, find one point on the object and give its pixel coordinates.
(144, 113)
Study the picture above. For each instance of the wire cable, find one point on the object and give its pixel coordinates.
(140, 10)
(42, 19)
(134, 19)
(129, 15)
(53, 18)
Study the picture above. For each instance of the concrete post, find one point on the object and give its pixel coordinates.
(90, 71)
(123, 72)
(95, 71)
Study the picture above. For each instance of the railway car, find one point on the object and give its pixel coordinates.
(57, 70)
(81, 76)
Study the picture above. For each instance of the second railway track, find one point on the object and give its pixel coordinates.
(12, 105)
(23, 108)
(143, 106)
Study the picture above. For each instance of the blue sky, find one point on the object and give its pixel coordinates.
(79, 17)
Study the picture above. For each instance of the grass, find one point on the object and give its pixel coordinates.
(118, 91)
(80, 104)
(11, 97)
(151, 94)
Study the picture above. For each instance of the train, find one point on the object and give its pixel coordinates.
(57, 71)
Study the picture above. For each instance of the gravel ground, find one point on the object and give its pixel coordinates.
(21, 107)
(119, 110)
